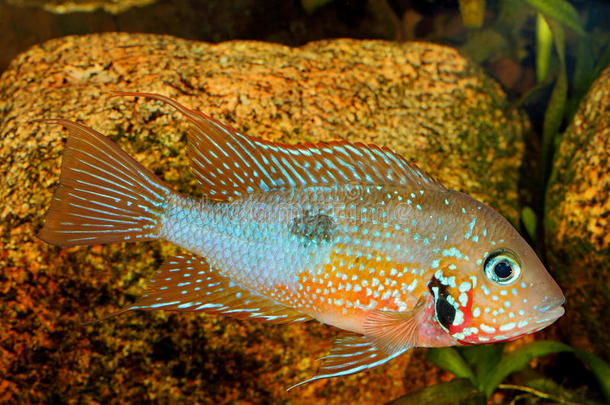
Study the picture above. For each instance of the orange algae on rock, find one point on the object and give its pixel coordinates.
(424, 101)
(578, 220)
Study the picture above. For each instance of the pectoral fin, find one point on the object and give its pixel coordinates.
(393, 331)
(351, 354)
(388, 334)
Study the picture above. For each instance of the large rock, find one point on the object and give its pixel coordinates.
(423, 100)
(578, 220)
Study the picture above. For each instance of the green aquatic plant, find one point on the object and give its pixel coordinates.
(311, 6)
(560, 39)
(552, 19)
(472, 12)
(554, 113)
(481, 370)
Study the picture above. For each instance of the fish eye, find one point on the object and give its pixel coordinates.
(502, 267)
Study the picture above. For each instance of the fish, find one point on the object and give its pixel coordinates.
(352, 235)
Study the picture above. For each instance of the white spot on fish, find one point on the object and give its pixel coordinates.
(487, 329)
(507, 327)
(452, 252)
(474, 281)
(464, 287)
(485, 289)
(459, 318)
(470, 227)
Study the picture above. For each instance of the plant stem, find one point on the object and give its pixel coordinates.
(537, 393)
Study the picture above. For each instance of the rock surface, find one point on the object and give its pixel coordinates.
(24, 23)
(79, 6)
(578, 220)
(423, 100)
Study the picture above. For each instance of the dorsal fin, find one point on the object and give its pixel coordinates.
(188, 283)
(351, 354)
(230, 165)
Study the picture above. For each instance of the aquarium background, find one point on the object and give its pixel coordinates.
(545, 55)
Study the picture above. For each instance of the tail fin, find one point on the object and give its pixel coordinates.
(104, 195)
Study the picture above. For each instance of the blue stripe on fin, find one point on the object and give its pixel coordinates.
(259, 165)
(188, 283)
(104, 195)
(351, 354)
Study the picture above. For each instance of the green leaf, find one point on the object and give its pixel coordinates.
(450, 393)
(483, 44)
(483, 359)
(544, 46)
(518, 359)
(312, 5)
(528, 216)
(472, 12)
(542, 386)
(584, 69)
(561, 11)
(603, 61)
(553, 116)
(449, 359)
(600, 369)
(583, 77)
(559, 39)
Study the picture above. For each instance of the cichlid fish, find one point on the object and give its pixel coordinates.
(351, 235)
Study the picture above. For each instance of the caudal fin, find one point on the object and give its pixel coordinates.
(104, 195)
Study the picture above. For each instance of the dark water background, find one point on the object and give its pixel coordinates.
(24, 23)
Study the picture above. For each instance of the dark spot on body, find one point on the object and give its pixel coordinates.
(445, 312)
(313, 228)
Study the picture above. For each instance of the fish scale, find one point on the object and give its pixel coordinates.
(350, 235)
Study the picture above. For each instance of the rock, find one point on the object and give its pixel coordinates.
(81, 6)
(577, 221)
(423, 100)
(28, 22)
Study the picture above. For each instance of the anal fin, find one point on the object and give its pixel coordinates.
(189, 283)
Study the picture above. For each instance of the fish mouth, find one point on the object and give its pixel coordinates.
(554, 312)
(549, 313)
(549, 307)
